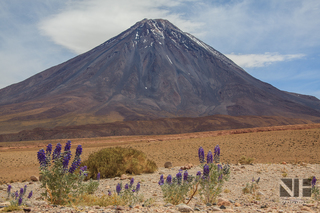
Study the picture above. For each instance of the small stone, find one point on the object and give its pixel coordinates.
(123, 177)
(184, 208)
(264, 206)
(34, 178)
(305, 208)
(222, 207)
(120, 208)
(167, 165)
(168, 204)
(215, 209)
(284, 163)
(155, 194)
(260, 193)
(237, 204)
(26, 209)
(5, 204)
(228, 210)
(91, 211)
(280, 211)
(196, 209)
(236, 169)
(223, 202)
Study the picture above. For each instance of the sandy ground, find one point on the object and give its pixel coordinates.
(18, 160)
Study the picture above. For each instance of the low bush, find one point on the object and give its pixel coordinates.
(115, 161)
(246, 160)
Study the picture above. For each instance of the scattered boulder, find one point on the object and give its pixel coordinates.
(34, 178)
(223, 202)
(184, 208)
(188, 166)
(123, 177)
(167, 165)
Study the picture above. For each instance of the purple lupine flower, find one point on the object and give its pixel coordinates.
(126, 186)
(9, 189)
(98, 176)
(201, 154)
(206, 170)
(20, 201)
(66, 160)
(78, 151)
(257, 181)
(109, 193)
(83, 169)
(220, 177)
(30, 195)
(179, 177)
(49, 149)
(42, 158)
(133, 190)
(219, 167)
(24, 189)
(74, 165)
(185, 176)
(131, 181)
(314, 181)
(16, 194)
(253, 179)
(209, 157)
(161, 182)
(68, 146)
(199, 174)
(169, 179)
(138, 187)
(217, 150)
(57, 152)
(118, 188)
(21, 192)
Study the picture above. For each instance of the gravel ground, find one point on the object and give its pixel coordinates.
(266, 199)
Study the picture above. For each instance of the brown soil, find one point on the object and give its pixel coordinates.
(292, 143)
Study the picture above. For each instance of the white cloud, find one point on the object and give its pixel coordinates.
(87, 24)
(261, 60)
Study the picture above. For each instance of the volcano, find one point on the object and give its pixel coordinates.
(152, 70)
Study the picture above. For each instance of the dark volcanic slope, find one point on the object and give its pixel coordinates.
(149, 71)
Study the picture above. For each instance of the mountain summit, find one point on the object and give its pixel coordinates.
(151, 70)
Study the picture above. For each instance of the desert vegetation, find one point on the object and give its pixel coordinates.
(267, 145)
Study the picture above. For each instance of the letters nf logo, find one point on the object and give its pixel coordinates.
(295, 187)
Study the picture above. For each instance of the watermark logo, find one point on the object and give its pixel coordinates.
(295, 187)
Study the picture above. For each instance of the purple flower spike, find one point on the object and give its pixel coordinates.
(133, 190)
(78, 151)
(257, 181)
(131, 181)
(169, 179)
(206, 170)
(314, 181)
(253, 179)
(179, 177)
(16, 194)
(198, 174)
(201, 154)
(49, 149)
(185, 176)
(9, 189)
(219, 167)
(21, 192)
(42, 158)
(217, 150)
(161, 182)
(138, 187)
(98, 176)
(68, 146)
(20, 201)
(30, 195)
(109, 193)
(57, 152)
(126, 186)
(75, 165)
(66, 160)
(118, 188)
(209, 157)
(220, 177)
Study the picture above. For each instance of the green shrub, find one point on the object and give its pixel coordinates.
(246, 160)
(115, 161)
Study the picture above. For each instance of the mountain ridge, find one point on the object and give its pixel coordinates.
(152, 70)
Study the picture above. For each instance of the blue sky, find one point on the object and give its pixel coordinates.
(275, 41)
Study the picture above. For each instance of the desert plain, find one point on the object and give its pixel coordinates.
(290, 144)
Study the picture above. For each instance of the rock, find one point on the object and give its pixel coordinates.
(237, 204)
(223, 202)
(184, 208)
(215, 209)
(167, 165)
(236, 169)
(305, 208)
(188, 166)
(34, 178)
(120, 208)
(260, 193)
(228, 210)
(284, 163)
(196, 209)
(5, 204)
(26, 209)
(2, 188)
(222, 207)
(123, 177)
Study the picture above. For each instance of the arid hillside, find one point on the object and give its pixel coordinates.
(291, 143)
